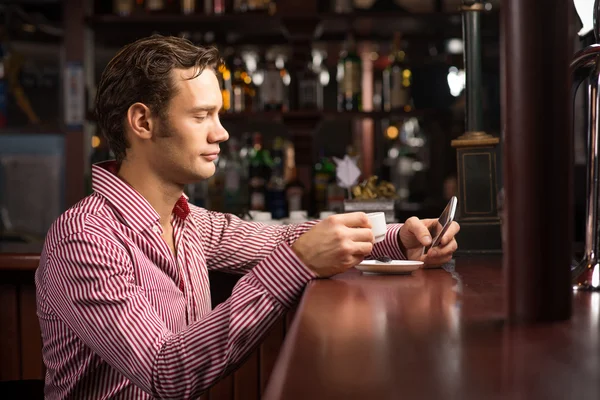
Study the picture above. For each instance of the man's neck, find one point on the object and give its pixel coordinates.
(161, 195)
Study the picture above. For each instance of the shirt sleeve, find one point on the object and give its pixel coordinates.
(390, 246)
(89, 282)
(234, 245)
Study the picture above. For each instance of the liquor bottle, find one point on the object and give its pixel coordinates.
(214, 7)
(294, 189)
(245, 155)
(188, 7)
(397, 79)
(123, 8)
(238, 85)
(216, 186)
(226, 87)
(276, 201)
(349, 77)
(250, 93)
(260, 173)
(233, 173)
(310, 91)
(324, 173)
(272, 89)
(155, 6)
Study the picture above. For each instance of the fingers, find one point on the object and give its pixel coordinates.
(441, 253)
(417, 227)
(360, 235)
(362, 248)
(450, 234)
(351, 220)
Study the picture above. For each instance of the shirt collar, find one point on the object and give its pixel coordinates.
(133, 207)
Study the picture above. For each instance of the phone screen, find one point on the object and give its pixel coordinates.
(443, 222)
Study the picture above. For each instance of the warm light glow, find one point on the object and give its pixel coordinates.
(287, 79)
(222, 68)
(407, 108)
(391, 132)
(247, 79)
(95, 141)
(226, 75)
(226, 100)
(406, 73)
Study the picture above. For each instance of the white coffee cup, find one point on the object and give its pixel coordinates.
(378, 225)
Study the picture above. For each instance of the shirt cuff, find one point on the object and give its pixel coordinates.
(300, 229)
(283, 275)
(390, 246)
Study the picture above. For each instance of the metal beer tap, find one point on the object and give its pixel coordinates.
(586, 65)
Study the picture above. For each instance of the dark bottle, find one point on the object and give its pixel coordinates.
(349, 74)
(310, 92)
(396, 79)
(156, 6)
(294, 189)
(324, 173)
(272, 89)
(277, 203)
(239, 86)
(260, 173)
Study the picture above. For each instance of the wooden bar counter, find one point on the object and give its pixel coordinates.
(438, 334)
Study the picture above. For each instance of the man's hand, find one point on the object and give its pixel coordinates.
(415, 234)
(335, 244)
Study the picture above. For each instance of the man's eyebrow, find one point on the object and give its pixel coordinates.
(198, 109)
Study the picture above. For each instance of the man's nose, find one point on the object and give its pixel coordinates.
(218, 134)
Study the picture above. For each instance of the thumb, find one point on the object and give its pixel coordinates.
(418, 229)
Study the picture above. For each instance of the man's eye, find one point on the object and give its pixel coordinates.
(200, 118)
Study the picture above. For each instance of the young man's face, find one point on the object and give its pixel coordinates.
(187, 140)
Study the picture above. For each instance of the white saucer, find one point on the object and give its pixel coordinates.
(394, 267)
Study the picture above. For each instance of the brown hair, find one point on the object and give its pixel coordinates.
(141, 72)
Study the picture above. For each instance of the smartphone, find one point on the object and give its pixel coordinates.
(443, 223)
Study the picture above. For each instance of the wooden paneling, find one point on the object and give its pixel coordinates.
(223, 390)
(268, 352)
(32, 366)
(10, 362)
(245, 379)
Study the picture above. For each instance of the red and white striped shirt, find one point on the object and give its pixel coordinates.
(122, 317)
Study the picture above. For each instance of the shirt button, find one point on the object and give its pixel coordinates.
(156, 229)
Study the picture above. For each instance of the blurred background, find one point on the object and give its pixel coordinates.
(303, 82)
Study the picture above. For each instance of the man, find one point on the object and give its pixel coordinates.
(122, 287)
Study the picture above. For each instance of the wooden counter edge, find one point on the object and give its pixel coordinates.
(280, 370)
(19, 261)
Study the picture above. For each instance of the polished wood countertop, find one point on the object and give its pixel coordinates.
(438, 334)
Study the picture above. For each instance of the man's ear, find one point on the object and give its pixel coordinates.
(140, 120)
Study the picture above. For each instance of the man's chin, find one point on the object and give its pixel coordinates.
(204, 172)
